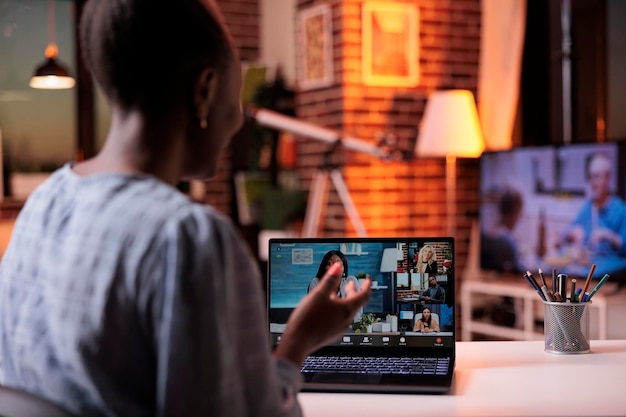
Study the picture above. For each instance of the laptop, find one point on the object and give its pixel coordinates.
(383, 350)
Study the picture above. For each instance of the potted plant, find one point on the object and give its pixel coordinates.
(364, 325)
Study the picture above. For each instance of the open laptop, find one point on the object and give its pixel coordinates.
(387, 355)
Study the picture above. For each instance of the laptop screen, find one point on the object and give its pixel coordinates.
(412, 301)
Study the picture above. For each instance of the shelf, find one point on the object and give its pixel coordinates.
(379, 287)
(356, 253)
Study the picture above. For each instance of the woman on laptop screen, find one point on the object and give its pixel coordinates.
(330, 258)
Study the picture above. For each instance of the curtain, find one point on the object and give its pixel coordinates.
(501, 48)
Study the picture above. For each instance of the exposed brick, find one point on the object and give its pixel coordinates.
(396, 198)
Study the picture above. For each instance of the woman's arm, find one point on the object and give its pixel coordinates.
(314, 283)
(418, 326)
(434, 325)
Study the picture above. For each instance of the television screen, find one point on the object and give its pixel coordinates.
(554, 207)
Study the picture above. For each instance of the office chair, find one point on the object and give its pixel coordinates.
(419, 316)
(17, 403)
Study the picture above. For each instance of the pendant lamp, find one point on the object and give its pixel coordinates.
(51, 75)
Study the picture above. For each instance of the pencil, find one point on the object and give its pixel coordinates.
(588, 280)
(598, 285)
(543, 280)
(533, 283)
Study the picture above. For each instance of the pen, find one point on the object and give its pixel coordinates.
(572, 296)
(598, 285)
(578, 291)
(588, 280)
(553, 280)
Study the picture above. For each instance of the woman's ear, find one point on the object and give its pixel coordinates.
(202, 95)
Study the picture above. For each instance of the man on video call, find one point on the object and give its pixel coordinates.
(600, 226)
(434, 294)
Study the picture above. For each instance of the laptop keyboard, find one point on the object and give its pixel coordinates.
(376, 365)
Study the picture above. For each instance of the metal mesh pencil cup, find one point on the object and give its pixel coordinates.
(566, 327)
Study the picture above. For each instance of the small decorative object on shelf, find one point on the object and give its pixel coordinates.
(364, 325)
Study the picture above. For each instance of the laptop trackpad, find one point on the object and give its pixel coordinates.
(340, 378)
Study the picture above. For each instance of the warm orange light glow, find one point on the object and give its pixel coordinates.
(52, 51)
(390, 44)
(450, 126)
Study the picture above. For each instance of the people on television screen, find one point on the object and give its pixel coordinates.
(498, 246)
(426, 261)
(427, 323)
(599, 229)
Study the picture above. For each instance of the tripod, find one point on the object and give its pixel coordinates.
(318, 198)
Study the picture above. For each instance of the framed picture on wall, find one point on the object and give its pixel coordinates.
(315, 63)
(390, 48)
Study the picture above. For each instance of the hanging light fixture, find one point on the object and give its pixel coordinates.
(51, 75)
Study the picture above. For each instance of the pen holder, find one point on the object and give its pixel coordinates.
(566, 327)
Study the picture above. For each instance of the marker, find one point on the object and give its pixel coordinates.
(553, 279)
(598, 285)
(572, 296)
(578, 291)
(562, 286)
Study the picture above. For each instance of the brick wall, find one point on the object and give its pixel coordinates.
(242, 17)
(392, 198)
(395, 198)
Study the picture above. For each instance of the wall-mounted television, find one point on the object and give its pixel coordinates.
(554, 207)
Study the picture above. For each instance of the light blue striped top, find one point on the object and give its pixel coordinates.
(119, 296)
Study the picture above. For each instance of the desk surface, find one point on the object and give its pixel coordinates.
(503, 379)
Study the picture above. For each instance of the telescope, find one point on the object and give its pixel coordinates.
(383, 149)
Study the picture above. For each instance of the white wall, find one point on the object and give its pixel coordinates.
(278, 36)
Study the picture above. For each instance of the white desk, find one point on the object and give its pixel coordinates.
(503, 379)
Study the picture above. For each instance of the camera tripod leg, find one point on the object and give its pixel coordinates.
(348, 204)
(317, 201)
(315, 204)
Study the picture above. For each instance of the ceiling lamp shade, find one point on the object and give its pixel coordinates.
(450, 126)
(51, 75)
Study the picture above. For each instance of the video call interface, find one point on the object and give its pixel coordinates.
(412, 282)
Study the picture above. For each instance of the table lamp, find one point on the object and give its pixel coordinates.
(389, 263)
(450, 128)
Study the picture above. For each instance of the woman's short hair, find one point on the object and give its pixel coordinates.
(143, 52)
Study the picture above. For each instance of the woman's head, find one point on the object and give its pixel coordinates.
(329, 259)
(426, 314)
(427, 253)
(168, 60)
